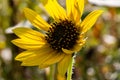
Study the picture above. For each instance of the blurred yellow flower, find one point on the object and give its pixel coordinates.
(63, 37)
(2, 44)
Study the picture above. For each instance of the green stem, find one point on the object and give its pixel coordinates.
(69, 73)
(52, 70)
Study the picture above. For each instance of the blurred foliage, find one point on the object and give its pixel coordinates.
(99, 59)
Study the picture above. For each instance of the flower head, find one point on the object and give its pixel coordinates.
(63, 37)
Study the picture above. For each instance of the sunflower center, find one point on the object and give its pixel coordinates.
(63, 34)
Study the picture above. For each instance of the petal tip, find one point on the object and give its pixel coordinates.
(13, 41)
(17, 58)
(25, 9)
(100, 11)
(67, 51)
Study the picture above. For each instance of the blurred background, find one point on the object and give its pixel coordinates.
(99, 59)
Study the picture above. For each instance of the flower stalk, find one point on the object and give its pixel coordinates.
(69, 73)
(52, 71)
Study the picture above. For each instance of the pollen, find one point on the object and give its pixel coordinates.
(62, 34)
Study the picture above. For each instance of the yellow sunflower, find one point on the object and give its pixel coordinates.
(61, 39)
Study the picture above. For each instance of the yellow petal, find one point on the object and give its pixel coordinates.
(56, 57)
(63, 65)
(28, 34)
(24, 55)
(29, 54)
(81, 36)
(38, 59)
(28, 44)
(77, 47)
(43, 59)
(75, 9)
(55, 10)
(89, 21)
(81, 6)
(67, 51)
(69, 6)
(36, 20)
(78, 10)
(59, 77)
(60, 9)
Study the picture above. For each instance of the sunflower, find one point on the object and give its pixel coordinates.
(61, 38)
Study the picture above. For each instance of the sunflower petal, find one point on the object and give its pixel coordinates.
(59, 77)
(36, 20)
(77, 47)
(69, 6)
(29, 54)
(38, 59)
(75, 9)
(63, 65)
(34, 57)
(56, 57)
(28, 34)
(67, 51)
(78, 10)
(61, 11)
(81, 6)
(89, 21)
(43, 59)
(55, 10)
(28, 44)
(30, 39)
